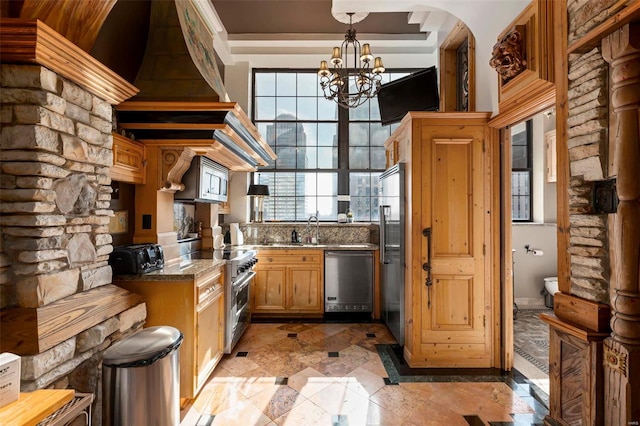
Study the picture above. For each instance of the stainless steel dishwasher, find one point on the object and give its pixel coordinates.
(348, 281)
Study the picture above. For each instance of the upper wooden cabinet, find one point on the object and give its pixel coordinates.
(129, 160)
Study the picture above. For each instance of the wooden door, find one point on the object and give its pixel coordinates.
(269, 289)
(305, 290)
(456, 304)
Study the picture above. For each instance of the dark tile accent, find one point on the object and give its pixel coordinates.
(339, 420)
(387, 381)
(282, 380)
(242, 354)
(371, 334)
(205, 420)
(474, 420)
(292, 335)
(333, 354)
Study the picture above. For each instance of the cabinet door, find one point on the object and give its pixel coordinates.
(305, 289)
(129, 160)
(209, 337)
(269, 289)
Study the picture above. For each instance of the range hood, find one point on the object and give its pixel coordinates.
(220, 131)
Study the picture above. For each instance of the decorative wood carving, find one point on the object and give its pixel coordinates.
(77, 21)
(33, 42)
(615, 360)
(175, 163)
(622, 50)
(509, 57)
(528, 71)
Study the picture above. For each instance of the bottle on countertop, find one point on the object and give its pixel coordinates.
(294, 236)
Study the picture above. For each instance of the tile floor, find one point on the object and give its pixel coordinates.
(331, 374)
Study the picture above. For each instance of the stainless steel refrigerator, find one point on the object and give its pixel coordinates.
(392, 263)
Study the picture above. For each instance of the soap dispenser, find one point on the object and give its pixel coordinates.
(294, 236)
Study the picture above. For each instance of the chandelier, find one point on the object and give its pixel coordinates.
(351, 81)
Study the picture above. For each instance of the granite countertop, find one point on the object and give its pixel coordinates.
(328, 246)
(185, 270)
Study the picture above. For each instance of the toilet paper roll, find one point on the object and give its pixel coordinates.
(538, 252)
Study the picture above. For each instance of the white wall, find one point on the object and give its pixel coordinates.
(530, 270)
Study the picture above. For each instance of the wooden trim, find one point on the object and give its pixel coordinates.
(561, 69)
(492, 141)
(32, 42)
(538, 101)
(573, 330)
(506, 255)
(582, 312)
(593, 38)
(30, 331)
(448, 68)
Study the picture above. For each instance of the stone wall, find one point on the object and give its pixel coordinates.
(55, 154)
(588, 136)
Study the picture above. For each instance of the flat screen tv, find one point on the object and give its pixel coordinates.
(415, 92)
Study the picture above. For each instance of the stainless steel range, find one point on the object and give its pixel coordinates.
(237, 290)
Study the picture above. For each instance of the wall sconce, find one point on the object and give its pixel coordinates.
(259, 192)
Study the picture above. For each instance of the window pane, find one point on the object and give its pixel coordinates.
(265, 84)
(327, 157)
(520, 195)
(286, 134)
(327, 134)
(378, 157)
(307, 108)
(519, 157)
(358, 134)
(328, 208)
(265, 108)
(358, 157)
(286, 108)
(307, 157)
(327, 110)
(379, 134)
(286, 157)
(307, 134)
(308, 84)
(286, 84)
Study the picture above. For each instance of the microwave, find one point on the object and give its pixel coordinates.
(206, 182)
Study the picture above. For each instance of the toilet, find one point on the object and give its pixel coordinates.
(551, 287)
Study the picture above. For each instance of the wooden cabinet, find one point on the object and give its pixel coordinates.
(396, 147)
(196, 308)
(289, 282)
(129, 160)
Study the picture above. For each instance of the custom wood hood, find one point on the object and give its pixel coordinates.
(218, 130)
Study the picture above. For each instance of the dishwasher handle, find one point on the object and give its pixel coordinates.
(348, 253)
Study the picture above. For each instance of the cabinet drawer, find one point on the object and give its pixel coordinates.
(291, 257)
(209, 286)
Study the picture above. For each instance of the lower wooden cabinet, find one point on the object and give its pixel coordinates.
(196, 308)
(289, 282)
(129, 160)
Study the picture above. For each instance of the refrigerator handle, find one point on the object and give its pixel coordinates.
(427, 265)
(383, 237)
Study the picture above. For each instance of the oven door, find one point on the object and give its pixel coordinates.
(239, 314)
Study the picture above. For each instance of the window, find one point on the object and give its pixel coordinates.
(323, 150)
(521, 172)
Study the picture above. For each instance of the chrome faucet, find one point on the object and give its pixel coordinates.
(315, 216)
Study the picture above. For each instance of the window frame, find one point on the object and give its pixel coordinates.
(528, 170)
(343, 121)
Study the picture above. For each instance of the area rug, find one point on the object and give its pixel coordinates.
(531, 338)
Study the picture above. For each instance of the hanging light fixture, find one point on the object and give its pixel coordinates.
(352, 80)
(259, 192)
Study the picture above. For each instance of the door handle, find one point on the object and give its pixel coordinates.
(383, 233)
(427, 265)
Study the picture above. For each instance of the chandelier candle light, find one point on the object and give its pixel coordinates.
(351, 71)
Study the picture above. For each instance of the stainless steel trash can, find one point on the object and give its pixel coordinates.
(141, 379)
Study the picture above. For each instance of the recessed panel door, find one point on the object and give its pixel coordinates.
(455, 296)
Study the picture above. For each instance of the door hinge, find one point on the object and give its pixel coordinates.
(484, 146)
(484, 249)
(484, 321)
